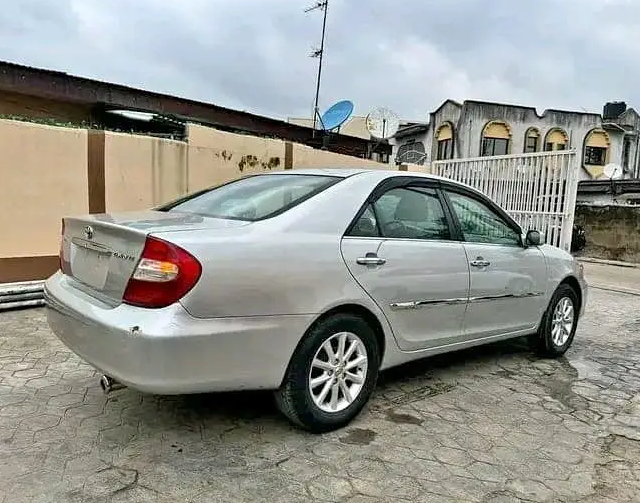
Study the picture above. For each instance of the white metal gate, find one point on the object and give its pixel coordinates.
(538, 190)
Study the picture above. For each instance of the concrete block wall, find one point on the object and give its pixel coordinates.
(612, 232)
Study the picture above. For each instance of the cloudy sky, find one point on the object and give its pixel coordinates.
(408, 55)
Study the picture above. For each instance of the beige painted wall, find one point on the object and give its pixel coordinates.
(43, 176)
(217, 156)
(142, 171)
(307, 157)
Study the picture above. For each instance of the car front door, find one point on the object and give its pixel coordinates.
(507, 279)
(400, 250)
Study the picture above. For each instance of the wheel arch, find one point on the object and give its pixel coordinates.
(539, 341)
(569, 280)
(348, 308)
(573, 282)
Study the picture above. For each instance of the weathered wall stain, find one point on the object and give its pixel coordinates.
(251, 161)
(272, 163)
(225, 155)
(248, 160)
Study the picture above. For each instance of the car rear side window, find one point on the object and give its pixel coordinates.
(255, 197)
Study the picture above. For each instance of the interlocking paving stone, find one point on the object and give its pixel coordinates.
(493, 425)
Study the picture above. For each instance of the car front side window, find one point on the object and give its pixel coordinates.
(411, 213)
(480, 224)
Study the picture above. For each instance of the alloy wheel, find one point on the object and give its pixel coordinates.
(562, 321)
(338, 372)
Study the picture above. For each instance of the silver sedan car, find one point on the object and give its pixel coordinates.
(308, 283)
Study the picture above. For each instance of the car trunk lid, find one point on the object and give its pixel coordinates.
(101, 252)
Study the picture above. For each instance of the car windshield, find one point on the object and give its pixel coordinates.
(255, 197)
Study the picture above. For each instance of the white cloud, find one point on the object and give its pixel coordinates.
(409, 55)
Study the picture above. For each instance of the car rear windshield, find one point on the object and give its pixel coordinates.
(254, 197)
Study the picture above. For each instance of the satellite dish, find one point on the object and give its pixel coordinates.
(411, 156)
(382, 123)
(612, 171)
(336, 115)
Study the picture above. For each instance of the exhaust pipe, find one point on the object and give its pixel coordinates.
(109, 384)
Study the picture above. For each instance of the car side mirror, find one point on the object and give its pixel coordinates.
(533, 238)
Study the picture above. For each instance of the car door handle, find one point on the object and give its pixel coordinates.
(371, 260)
(480, 262)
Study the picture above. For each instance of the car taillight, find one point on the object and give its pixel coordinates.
(164, 274)
(64, 263)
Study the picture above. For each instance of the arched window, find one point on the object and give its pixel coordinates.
(444, 139)
(531, 140)
(496, 139)
(556, 139)
(596, 148)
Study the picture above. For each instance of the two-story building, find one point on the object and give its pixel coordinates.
(476, 128)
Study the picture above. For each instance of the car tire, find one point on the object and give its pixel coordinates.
(303, 404)
(559, 323)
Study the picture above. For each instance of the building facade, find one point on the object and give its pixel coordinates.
(475, 129)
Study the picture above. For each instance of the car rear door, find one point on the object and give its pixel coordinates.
(400, 250)
(507, 279)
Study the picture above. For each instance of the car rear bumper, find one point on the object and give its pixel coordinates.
(167, 351)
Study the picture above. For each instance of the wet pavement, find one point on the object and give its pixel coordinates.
(620, 279)
(493, 424)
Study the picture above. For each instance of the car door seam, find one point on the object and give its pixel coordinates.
(364, 290)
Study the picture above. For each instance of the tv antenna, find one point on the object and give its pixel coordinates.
(318, 53)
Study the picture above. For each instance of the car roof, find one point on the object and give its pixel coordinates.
(376, 174)
(347, 172)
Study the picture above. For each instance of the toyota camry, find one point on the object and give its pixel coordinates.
(307, 283)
